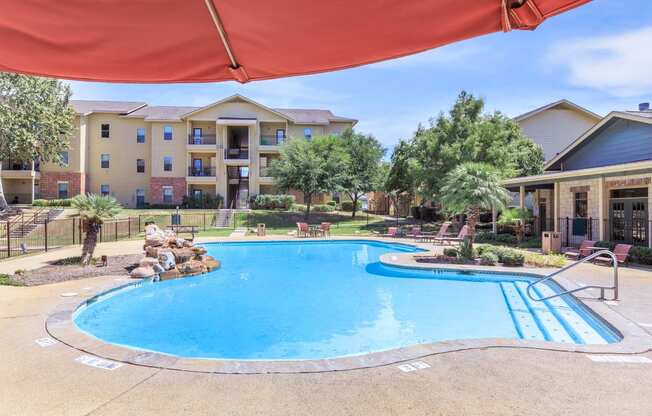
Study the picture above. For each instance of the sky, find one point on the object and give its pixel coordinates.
(598, 56)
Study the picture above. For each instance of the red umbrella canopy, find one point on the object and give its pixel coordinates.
(220, 40)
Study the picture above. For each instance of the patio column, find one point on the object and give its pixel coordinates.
(33, 180)
(494, 226)
(521, 196)
(601, 208)
(555, 201)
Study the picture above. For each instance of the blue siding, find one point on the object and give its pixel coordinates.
(622, 141)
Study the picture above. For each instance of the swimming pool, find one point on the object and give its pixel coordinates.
(300, 300)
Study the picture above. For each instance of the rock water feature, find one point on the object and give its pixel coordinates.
(170, 257)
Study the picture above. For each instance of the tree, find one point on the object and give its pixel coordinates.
(93, 210)
(36, 120)
(310, 166)
(363, 162)
(400, 180)
(465, 134)
(470, 188)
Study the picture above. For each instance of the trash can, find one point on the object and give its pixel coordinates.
(550, 242)
(260, 230)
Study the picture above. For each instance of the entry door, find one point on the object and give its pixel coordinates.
(196, 167)
(197, 135)
(629, 221)
(543, 217)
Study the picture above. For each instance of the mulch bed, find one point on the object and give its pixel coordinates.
(440, 259)
(116, 265)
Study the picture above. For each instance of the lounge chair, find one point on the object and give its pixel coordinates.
(451, 239)
(325, 229)
(391, 232)
(621, 251)
(303, 230)
(583, 251)
(423, 237)
(416, 232)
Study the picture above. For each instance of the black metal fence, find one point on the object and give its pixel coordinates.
(18, 239)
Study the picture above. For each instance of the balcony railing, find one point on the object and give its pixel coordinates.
(203, 139)
(236, 154)
(201, 171)
(263, 172)
(271, 140)
(20, 166)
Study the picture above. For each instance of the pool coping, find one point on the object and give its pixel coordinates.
(59, 324)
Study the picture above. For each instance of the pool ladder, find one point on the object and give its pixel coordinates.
(563, 269)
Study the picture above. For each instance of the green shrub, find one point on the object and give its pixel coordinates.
(298, 208)
(466, 249)
(606, 244)
(640, 255)
(332, 203)
(488, 258)
(450, 252)
(548, 260)
(52, 202)
(484, 237)
(512, 258)
(162, 206)
(531, 243)
(322, 208)
(6, 280)
(204, 201)
(505, 239)
(348, 206)
(265, 201)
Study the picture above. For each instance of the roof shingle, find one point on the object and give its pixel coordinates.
(100, 106)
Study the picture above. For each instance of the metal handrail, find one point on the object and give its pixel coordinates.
(563, 269)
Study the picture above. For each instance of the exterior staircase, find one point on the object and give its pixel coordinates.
(24, 224)
(224, 218)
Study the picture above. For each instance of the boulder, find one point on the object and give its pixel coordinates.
(152, 252)
(154, 241)
(199, 250)
(182, 255)
(148, 262)
(211, 265)
(170, 274)
(142, 272)
(192, 267)
(187, 243)
(158, 269)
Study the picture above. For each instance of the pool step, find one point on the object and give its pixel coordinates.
(548, 321)
(525, 323)
(583, 330)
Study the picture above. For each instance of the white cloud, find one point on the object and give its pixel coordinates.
(618, 64)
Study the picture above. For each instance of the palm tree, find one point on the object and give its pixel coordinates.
(93, 209)
(470, 188)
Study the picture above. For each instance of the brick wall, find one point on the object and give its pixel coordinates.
(48, 184)
(156, 185)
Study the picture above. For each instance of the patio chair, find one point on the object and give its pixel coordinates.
(583, 251)
(621, 251)
(415, 232)
(325, 229)
(451, 239)
(391, 232)
(423, 237)
(303, 230)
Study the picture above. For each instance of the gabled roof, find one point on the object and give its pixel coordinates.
(86, 107)
(235, 97)
(563, 103)
(309, 116)
(161, 113)
(640, 116)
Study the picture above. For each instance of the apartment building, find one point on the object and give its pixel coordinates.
(157, 154)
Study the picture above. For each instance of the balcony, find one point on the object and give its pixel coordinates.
(201, 172)
(236, 154)
(205, 139)
(20, 170)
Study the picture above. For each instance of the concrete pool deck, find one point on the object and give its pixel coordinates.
(504, 380)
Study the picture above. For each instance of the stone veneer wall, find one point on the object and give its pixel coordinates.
(156, 185)
(567, 197)
(48, 184)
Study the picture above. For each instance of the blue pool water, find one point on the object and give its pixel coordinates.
(309, 300)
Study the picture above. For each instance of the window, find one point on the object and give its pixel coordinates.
(307, 133)
(168, 194)
(105, 159)
(167, 163)
(64, 157)
(581, 205)
(62, 188)
(140, 165)
(105, 130)
(244, 172)
(140, 135)
(280, 136)
(105, 190)
(167, 133)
